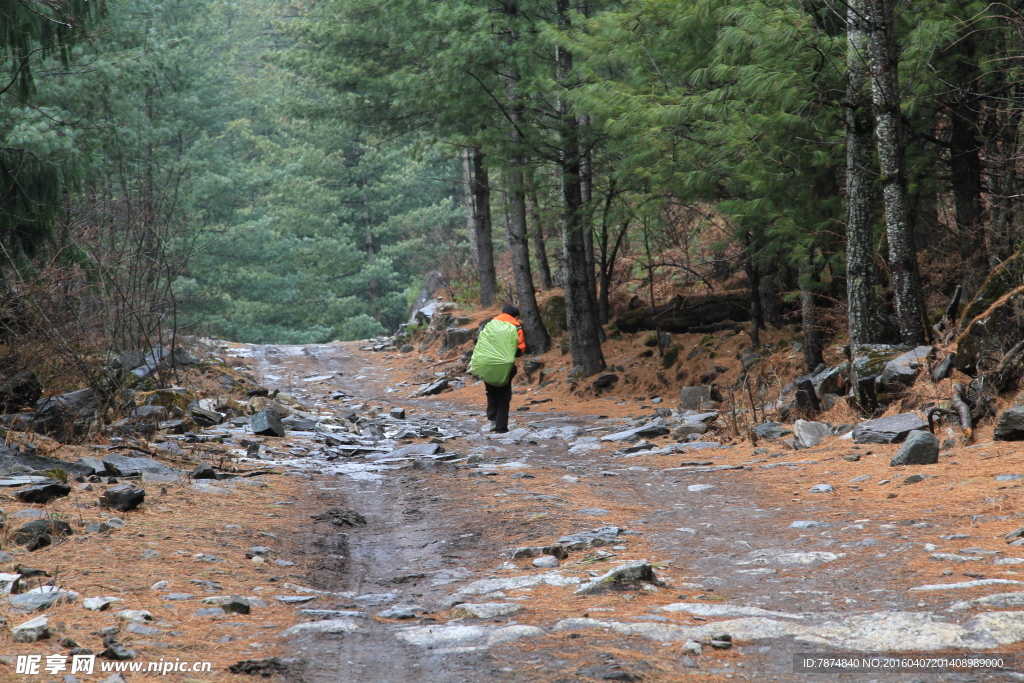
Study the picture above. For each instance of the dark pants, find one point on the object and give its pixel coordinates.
(498, 401)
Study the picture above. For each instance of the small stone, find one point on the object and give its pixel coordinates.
(178, 596)
(31, 631)
(822, 488)
(808, 524)
(149, 554)
(142, 630)
(209, 612)
(852, 458)
(204, 470)
(137, 615)
(123, 498)
(689, 662)
(266, 423)
(236, 605)
(98, 604)
(118, 652)
(400, 613)
(41, 494)
(913, 479)
(699, 488)
(920, 448)
(31, 534)
(546, 562)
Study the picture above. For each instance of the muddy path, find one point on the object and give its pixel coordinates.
(411, 552)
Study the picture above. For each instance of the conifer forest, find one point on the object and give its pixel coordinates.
(297, 172)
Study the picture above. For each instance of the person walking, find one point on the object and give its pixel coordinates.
(494, 361)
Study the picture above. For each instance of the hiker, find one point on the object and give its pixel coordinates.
(494, 361)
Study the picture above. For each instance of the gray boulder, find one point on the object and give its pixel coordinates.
(771, 431)
(920, 448)
(869, 360)
(1011, 425)
(266, 423)
(31, 631)
(810, 434)
(457, 336)
(888, 429)
(19, 389)
(123, 498)
(695, 398)
(904, 368)
(434, 388)
(831, 381)
(67, 416)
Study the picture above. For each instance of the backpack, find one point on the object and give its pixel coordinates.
(495, 352)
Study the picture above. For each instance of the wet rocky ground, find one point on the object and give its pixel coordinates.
(445, 553)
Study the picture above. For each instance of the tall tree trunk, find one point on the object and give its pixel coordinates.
(467, 182)
(884, 63)
(587, 195)
(537, 339)
(540, 250)
(966, 182)
(482, 223)
(862, 315)
(809, 318)
(754, 280)
(581, 319)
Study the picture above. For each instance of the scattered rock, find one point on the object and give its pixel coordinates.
(695, 398)
(904, 368)
(557, 551)
(1010, 426)
(259, 667)
(434, 388)
(822, 488)
(486, 610)
(920, 448)
(204, 470)
(118, 653)
(771, 431)
(123, 498)
(41, 494)
(397, 413)
(266, 423)
(30, 532)
(546, 562)
(31, 631)
(606, 535)
(67, 416)
(236, 605)
(648, 430)
(810, 434)
(126, 466)
(99, 604)
(888, 429)
(625, 574)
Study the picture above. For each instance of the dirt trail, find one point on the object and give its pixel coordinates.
(724, 542)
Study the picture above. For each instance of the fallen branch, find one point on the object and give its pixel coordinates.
(1001, 301)
(961, 407)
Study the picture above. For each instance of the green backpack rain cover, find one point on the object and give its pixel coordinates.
(495, 352)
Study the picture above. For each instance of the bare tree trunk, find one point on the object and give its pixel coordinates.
(540, 249)
(884, 64)
(862, 316)
(809, 318)
(581, 319)
(482, 223)
(965, 174)
(586, 195)
(754, 280)
(537, 339)
(467, 181)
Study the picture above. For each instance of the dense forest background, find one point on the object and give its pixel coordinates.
(298, 171)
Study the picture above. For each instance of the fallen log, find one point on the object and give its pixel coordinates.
(685, 314)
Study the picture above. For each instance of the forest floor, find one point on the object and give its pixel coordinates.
(386, 546)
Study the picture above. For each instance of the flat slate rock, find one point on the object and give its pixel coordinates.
(147, 468)
(888, 429)
(637, 433)
(41, 463)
